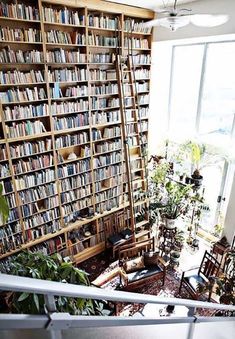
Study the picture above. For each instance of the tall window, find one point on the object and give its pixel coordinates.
(202, 95)
(202, 105)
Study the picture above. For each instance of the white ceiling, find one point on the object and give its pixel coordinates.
(150, 4)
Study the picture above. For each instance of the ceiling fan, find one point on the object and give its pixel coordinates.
(176, 18)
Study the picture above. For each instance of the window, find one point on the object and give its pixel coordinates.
(202, 95)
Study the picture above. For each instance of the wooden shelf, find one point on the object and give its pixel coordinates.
(68, 135)
(19, 20)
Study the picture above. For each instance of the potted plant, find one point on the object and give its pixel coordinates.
(39, 266)
(175, 256)
(177, 202)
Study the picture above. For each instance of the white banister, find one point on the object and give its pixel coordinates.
(45, 287)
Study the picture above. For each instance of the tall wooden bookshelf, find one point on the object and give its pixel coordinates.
(62, 163)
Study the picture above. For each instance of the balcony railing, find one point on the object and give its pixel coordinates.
(63, 325)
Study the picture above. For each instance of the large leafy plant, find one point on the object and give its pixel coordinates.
(39, 266)
(178, 196)
(4, 209)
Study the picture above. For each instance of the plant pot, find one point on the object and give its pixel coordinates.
(197, 181)
(187, 180)
(170, 223)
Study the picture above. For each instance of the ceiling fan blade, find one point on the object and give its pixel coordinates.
(208, 20)
(172, 22)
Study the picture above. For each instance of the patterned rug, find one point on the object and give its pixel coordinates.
(100, 263)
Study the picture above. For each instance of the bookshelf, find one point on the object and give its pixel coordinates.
(62, 163)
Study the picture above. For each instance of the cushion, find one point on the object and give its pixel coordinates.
(151, 258)
(115, 239)
(195, 280)
(134, 265)
(126, 233)
(144, 273)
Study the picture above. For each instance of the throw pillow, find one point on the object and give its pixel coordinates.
(134, 265)
(151, 258)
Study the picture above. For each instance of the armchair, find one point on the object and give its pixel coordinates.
(147, 266)
(194, 278)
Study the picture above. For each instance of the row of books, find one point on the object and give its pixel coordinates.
(6, 186)
(37, 193)
(108, 194)
(63, 56)
(66, 75)
(71, 140)
(133, 140)
(108, 183)
(108, 159)
(104, 89)
(107, 205)
(34, 208)
(10, 230)
(130, 25)
(105, 117)
(25, 128)
(63, 16)
(38, 178)
(136, 43)
(101, 21)
(21, 77)
(4, 170)
(50, 246)
(20, 34)
(128, 101)
(143, 126)
(33, 163)
(3, 153)
(42, 218)
(76, 194)
(68, 107)
(102, 57)
(72, 182)
(130, 129)
(108, 146)
(40, 231)
(141, 59)
(67, 38)
(28, 94)
(76, 91)
(76, 168)
(143, 112)
(100, 40)
(12, 217)
(99, 74)
(7, 55)
(11, 243)
(76, 206)
(11, 200)
(142, 73)
(142, 86)
(135, 164)
(106, 172)
(19, 11)
(30, 148)
(143, 99)
(79, 120)
(25, 112)
(108, 132)
(100, 103)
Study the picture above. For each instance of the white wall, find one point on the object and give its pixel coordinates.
(191, 31)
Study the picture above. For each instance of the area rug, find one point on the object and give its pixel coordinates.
(102, 263)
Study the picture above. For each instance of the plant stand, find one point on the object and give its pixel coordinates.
(167, 240)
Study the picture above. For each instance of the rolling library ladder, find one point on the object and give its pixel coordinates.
(131, 125)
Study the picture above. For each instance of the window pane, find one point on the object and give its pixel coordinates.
(218, 100)
(185, 89)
